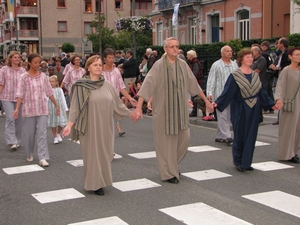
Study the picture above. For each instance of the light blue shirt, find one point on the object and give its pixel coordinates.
(218, 74)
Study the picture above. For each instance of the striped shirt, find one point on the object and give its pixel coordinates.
(9, 78)
(72, 76)
(218, 74)
(114, 77)
(34, 92)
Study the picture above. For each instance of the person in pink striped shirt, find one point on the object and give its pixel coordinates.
(33, 90)
(73, 73)
(9, 77)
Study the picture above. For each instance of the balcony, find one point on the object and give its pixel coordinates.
(26, 11)
(26, 35)
(169, 4)
(23, 35)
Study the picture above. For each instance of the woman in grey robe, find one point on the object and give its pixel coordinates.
(94, 105)
(287, 87)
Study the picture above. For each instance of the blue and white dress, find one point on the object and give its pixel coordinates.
(53, 119)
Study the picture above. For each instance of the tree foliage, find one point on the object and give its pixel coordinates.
(117, 40)
(68, 47)
(294, 39)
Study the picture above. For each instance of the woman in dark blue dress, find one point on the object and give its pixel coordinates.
(246, 96)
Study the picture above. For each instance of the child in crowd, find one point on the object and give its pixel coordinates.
(57, 122)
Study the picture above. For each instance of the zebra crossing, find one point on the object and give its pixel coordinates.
(192, 213)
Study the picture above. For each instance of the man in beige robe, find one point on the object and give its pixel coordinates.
(171, 133)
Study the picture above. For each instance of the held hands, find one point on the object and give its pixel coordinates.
(278, 105)
(214, 104)
(133, 102)
(136, 114)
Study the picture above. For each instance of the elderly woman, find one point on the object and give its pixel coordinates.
(246, 96)
(93, 107)
(195, 66)
(288, 85)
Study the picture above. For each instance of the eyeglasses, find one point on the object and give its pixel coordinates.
(173, 47)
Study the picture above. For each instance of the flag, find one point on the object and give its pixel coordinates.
(11, 9)
(175, 14)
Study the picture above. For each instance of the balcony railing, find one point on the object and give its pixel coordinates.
(26, 34)
(34, 34)
(165, 4)
(27, 10)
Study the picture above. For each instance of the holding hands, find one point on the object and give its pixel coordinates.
(136, 114)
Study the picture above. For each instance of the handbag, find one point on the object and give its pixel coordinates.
(288, 104)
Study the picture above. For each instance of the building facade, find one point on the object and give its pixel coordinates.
(207, 21)
(42, 26)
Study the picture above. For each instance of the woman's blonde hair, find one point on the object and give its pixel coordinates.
(89, 61)
(192, 53)
(54, 77)
(11, 54)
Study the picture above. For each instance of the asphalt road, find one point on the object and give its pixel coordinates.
(145, 206)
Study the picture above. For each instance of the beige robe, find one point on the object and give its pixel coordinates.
(289, 122)
(97, 144)
(170, 149)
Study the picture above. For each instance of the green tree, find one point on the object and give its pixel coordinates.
(294, 39)
(236, 45)
(68, 47)
(117, 40)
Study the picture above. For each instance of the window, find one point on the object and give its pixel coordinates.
(174, 31)
(243, 25)
(61, 3)
(192, 33)
(87, 6)
(28, 3)
(97, 5)
(28, 24)
(159, 34)
(119, 4)
(62, 26)
(87, 28)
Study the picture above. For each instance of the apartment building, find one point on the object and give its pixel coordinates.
(42, 26)
(207, 21)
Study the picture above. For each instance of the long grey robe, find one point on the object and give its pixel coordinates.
(97, 144)
(170, 149)
(289, 122)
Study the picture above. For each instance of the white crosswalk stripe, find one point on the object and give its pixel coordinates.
(200, 213)
(278, 200)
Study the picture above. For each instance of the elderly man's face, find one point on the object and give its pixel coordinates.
(227, 53)
(172, 48)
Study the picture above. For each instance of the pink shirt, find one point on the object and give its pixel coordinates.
(34, 92)
(9, 78)
(114, 77)
(67, 68)
(72, 76)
